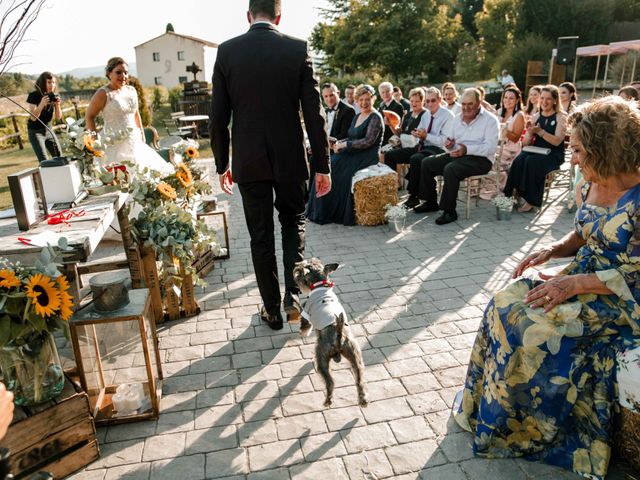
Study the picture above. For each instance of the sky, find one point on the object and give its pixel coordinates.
(71, 34)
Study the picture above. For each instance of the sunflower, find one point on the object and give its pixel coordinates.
(66, 305)
(89, 144)
(184, 175)
(167, 190)
(191, 152)
(43, 294)
(8, 279)
(62, 282)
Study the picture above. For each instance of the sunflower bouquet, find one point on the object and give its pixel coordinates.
(187, 149)
(34, 303)
(166, 221)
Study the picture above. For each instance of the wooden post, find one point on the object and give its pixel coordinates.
(133, 255)
(17, 130)
(150, 271)
(189, 304)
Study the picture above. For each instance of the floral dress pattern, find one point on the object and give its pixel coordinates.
(543, 386)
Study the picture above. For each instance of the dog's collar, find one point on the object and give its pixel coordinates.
(323, 283)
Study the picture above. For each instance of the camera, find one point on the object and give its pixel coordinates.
(53, 97)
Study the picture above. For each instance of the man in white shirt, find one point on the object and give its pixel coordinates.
(432, 132)
(471, 146)
(505, 79)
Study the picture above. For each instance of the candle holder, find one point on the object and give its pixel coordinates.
(118, 360)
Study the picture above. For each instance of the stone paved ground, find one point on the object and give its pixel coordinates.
(244, 402)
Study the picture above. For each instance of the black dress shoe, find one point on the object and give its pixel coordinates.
(447, 217)
(424, 207)
(292, 307)
(274, 321)
(412, 202)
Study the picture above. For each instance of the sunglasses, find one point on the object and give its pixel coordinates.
(431, 100)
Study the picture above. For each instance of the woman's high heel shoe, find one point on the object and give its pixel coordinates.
(526, 207)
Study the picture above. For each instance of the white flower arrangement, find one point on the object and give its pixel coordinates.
(394, 212)
(502, 202)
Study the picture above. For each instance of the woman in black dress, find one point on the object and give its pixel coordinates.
(358, 151)
(528, 170)
(410, 122)
(44, 103)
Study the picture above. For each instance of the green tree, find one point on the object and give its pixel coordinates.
(143, 105)
(497, 22)
(392, 38)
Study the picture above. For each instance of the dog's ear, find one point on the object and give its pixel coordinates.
(331, 267)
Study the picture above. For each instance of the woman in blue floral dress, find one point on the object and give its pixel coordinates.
(541, 379)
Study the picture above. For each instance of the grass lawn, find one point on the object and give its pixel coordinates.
(13, 161)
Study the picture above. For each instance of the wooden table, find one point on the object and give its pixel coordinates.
(194, 119)
(83, 234)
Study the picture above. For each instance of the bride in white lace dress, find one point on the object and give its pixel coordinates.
(118, 103)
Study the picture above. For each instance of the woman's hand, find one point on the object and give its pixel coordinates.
(339, 146)
(536, 258)
(554, 291)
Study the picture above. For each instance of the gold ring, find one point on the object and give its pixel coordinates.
(547, 298)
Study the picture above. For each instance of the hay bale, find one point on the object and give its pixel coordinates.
(370, 195)
(627, 440)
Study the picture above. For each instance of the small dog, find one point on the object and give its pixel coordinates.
(324, 312)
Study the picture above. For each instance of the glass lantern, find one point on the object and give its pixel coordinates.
(118, 360)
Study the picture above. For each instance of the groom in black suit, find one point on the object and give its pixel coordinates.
(263, 77)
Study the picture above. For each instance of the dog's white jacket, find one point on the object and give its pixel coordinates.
(322, 308)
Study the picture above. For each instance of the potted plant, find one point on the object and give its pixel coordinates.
(504, 206)
(34, 303)
(395, 215)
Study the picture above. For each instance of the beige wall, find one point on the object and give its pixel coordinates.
(169, 68)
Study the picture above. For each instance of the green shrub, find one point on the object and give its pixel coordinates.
(175, 95)
(515, 57)
(472, 63)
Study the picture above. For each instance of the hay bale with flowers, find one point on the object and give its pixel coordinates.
(372, 193)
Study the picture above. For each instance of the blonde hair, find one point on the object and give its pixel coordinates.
(419, 91)
(609, 130)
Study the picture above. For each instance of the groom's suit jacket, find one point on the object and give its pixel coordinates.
(264, 78)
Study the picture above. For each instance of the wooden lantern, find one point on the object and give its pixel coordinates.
(118, 360)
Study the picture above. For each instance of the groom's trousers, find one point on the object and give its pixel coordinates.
(258, 203)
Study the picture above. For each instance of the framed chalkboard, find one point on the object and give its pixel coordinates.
(28, 197)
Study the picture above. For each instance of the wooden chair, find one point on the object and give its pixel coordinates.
(151, 138)
(175, 129)
(402, 169)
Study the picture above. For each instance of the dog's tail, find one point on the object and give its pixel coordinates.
(339, 332)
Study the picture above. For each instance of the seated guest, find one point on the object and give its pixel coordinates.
(349, 97)
(471, 147)
(486, 105)
(568, 96)
(533, 101)
(432, 133)
(450, 95)
(397, 95)
(505, 79)
(528, 170)
(339, 114)
(410, 123)
(359, 150)
(629, 93)
(388, 103)
(541, 382)
(512, 122)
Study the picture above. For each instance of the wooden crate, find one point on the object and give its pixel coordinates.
(57, 437)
